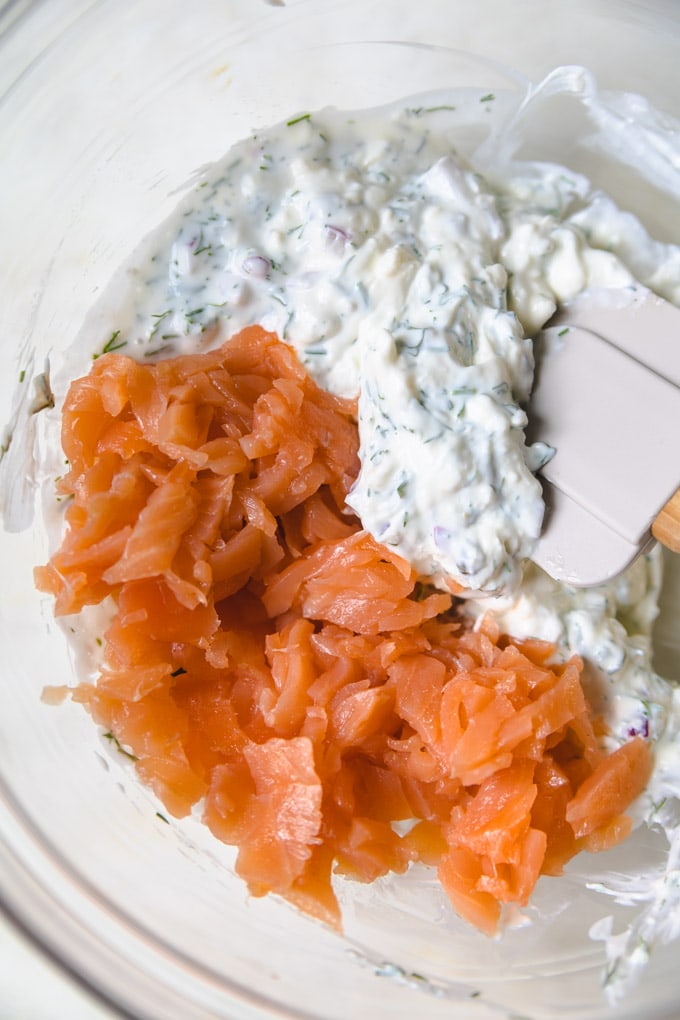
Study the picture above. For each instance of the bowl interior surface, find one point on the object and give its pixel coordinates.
(106, 112)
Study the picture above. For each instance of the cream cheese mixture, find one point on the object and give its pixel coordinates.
(366, 245)
(405, 276)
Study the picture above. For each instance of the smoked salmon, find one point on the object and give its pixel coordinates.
(270, 660)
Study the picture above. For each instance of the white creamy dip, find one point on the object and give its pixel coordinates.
(404, 276)
(365, 244)
(414, 279)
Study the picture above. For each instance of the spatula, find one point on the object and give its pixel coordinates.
(607, 399)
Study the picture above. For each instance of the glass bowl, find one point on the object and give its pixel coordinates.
(106, 111)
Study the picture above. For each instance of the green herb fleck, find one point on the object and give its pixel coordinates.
(298, 120)
(657, 805)
(418, 111)
(113, 739)
(112, 344)
(563, 331)
(488, 98)
(158, 316)
(162, 818)
(22, 375)
(159, 350)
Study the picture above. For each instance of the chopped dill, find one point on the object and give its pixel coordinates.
(298, 120)
(113, 739)
(112, 344)
(159, 350)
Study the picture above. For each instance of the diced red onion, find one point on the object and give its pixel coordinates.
(257, 266)
(337, 233)
(639, 729)
(441, 536)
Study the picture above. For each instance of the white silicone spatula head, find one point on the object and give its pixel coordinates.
(607, 399)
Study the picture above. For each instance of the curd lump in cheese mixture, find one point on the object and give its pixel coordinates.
(411, 277)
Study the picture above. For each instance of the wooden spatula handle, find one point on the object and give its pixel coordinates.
(666, 527)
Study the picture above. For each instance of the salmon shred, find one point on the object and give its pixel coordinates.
(268, 659)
